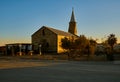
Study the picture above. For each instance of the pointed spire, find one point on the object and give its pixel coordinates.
(72, 16)
(72, 24)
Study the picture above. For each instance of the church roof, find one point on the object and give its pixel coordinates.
(56, 31)
(59, 32)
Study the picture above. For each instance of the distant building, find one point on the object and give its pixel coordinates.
(2, 50)
(48, 39)
(18, 49)
(102, 49)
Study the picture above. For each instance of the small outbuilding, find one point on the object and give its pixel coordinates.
(18, 49)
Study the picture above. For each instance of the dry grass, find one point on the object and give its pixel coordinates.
(35, 60)
(7, 62)
(54, 57)
(19, 64)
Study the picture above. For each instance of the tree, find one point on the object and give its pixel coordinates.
(78, 46)
(81, 43)
(66, 43)
(112, 40)
(75, 47)
(92, 46)
(92, 42)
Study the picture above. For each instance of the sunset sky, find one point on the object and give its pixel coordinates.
(19, 19)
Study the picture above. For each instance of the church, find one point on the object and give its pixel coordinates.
(48, 39)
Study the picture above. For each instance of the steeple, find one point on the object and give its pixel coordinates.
(72, 16)
(72, 24)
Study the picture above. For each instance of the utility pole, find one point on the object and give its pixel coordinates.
(20, 49)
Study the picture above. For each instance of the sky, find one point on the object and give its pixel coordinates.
(19, 19)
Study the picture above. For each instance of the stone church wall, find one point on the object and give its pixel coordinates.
(45, 35)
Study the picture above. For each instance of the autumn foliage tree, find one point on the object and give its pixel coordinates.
(79, 46)
(92, 44)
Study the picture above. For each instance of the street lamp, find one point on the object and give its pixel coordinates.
(40, 49)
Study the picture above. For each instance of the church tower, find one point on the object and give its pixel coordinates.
(72, 24)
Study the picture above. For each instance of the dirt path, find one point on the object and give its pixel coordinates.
(4, 64)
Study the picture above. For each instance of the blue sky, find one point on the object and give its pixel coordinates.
(19, 19)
